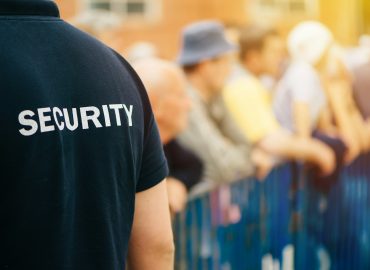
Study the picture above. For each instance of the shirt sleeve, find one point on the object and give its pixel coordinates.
(154, 165)
(303, 84)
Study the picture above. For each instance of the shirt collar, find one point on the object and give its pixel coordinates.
(28, 8)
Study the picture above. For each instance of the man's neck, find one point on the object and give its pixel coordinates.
(250, 70)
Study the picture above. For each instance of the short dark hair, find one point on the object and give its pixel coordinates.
(253, 37)
(190, 68)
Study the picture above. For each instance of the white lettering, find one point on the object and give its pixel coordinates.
(67, 120)
(129, 114)
(50, 119)
(116, 108)
(27, 122)
(106, 116)
(58, 111)
(44, 119)
(85, 118)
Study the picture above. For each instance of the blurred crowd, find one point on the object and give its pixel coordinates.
(237, 102)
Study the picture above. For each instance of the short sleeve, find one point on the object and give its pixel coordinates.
(304, 83)
(154, 165)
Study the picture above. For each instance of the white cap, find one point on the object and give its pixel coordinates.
(308, 41)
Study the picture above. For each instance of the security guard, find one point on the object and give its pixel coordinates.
(79, 151)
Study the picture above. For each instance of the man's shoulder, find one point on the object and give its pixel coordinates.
(247, 88)
(122, 66)
(245, 82)
(87, 42)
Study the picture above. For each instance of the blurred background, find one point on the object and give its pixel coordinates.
(121, 23)
(294, 218)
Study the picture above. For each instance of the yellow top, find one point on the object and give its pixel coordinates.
(250, 105)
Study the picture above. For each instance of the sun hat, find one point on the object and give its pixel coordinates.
(203, 40)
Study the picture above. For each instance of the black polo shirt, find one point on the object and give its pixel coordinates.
(78, 140)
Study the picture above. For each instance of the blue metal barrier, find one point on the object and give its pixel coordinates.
(283, 222)
(335, 233)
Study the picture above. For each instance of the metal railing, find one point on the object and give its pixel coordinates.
(284, 222)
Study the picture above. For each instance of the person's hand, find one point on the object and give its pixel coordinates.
(264, 163)
(353, 151)
(326, 159)
(177, 195)
(353, 145)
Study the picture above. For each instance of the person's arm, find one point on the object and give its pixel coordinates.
(325, 123)
(177, 195)
(357, 120)
(367, 127)
(362, 130)
(151, 244)
(301, 116)
(336, 90)
(290, 146)
(303, 92)
(350, 124)
(304, 87)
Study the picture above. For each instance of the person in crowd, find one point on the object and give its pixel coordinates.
(250, 102)
(357, 62)
(361, 91)
(212, 134)
(166, 87)
(361, 86)
(343, 89)
(314, 92)
(266, 53)
(82, 166)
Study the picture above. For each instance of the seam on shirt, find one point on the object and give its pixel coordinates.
(156, 170)
(29, 18)
(155, 177)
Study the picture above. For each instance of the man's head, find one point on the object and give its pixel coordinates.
(165, 84)
(205, 53)
(310, 42)
(262, 50)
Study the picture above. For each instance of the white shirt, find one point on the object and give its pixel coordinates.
(300, 83)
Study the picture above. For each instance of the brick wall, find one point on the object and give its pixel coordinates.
(342, 16)
(68, 8)
(165, 32)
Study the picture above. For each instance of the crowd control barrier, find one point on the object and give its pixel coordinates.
(284, 222)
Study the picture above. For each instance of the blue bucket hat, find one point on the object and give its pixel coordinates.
(203, 40)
